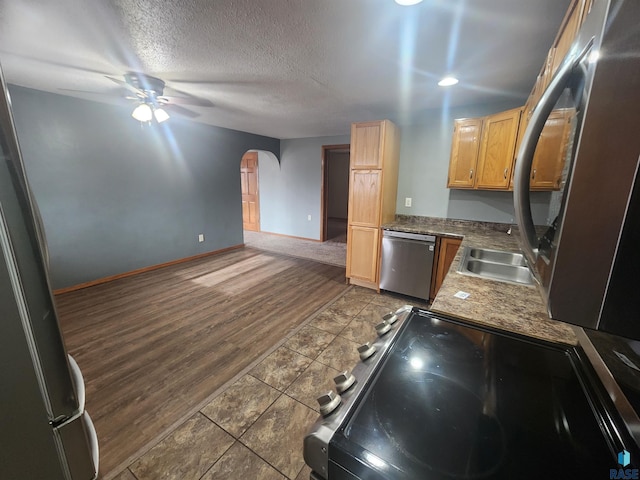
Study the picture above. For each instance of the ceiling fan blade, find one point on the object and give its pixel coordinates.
(219, 82)
(185, 112)
(185, 99)
(124, 84)
(90, 92)
(110, 93)
(121, 99)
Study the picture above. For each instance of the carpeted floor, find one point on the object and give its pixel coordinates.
(332, 252)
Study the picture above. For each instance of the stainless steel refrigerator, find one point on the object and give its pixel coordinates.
(45, 433)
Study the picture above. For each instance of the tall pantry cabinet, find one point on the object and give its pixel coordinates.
(373, 186)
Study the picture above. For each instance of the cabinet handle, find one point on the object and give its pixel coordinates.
(470, 174)
(533, 177)
(505, 173)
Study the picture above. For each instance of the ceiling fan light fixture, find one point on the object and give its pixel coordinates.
(143, 113)
(160, 114)
(448, 81)
(408, 3)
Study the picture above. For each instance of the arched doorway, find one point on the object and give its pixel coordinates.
(250, 193)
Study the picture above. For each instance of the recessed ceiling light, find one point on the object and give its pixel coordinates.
(406, 3)
(448, 81)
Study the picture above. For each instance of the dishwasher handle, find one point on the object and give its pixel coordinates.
(409, 236)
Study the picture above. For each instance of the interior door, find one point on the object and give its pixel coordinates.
(250, 199)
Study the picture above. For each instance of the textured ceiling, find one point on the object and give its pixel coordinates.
(284, 68)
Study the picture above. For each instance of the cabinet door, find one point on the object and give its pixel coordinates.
(362, 253)
(364, 197)
(497, 150)
(568, 31)
(464, 152)
(527, 110)
(446, 253)
(366, 145)
(549, 157)
(547, 71)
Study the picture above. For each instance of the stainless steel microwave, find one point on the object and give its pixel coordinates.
(586, 252)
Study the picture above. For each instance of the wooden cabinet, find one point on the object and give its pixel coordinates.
(549, 157)
(364, 193)
(483, 150)
(464, 152)
(494, 172)
(586, 8)
(367, 145)
(542, 82)
(568, 30)
(362, 254)
(446, 252)
(497, 151)
(373, 186)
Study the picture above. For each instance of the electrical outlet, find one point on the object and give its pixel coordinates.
(407, 202)
(309, 217)
(201, 237)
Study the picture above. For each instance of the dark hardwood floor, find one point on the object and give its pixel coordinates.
(152, 347)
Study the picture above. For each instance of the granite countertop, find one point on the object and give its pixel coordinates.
(514, 308)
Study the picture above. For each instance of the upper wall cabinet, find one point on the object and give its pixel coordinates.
(464, 152)
(549, 157)
(498, 150)
(568, 30)
(483, 150)
(578, 10)
(491, 166)
(367, 145)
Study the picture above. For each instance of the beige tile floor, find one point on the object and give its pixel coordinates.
(254, 428)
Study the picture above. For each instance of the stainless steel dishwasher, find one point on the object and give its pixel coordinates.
(407, 262)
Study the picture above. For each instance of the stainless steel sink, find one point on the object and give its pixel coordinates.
(495, 265)
(497, 256)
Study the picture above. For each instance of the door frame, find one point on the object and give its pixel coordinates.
(324, 191)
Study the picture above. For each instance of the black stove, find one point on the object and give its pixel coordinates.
(444, 400)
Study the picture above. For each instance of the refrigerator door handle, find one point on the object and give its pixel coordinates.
(77, 445)
(78, 382)
(93, 442)
(524, 159)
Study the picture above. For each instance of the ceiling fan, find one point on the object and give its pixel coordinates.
(150, 101)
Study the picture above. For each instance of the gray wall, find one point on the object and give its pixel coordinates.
(290, 191)
(424, 164)
(116, 196)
